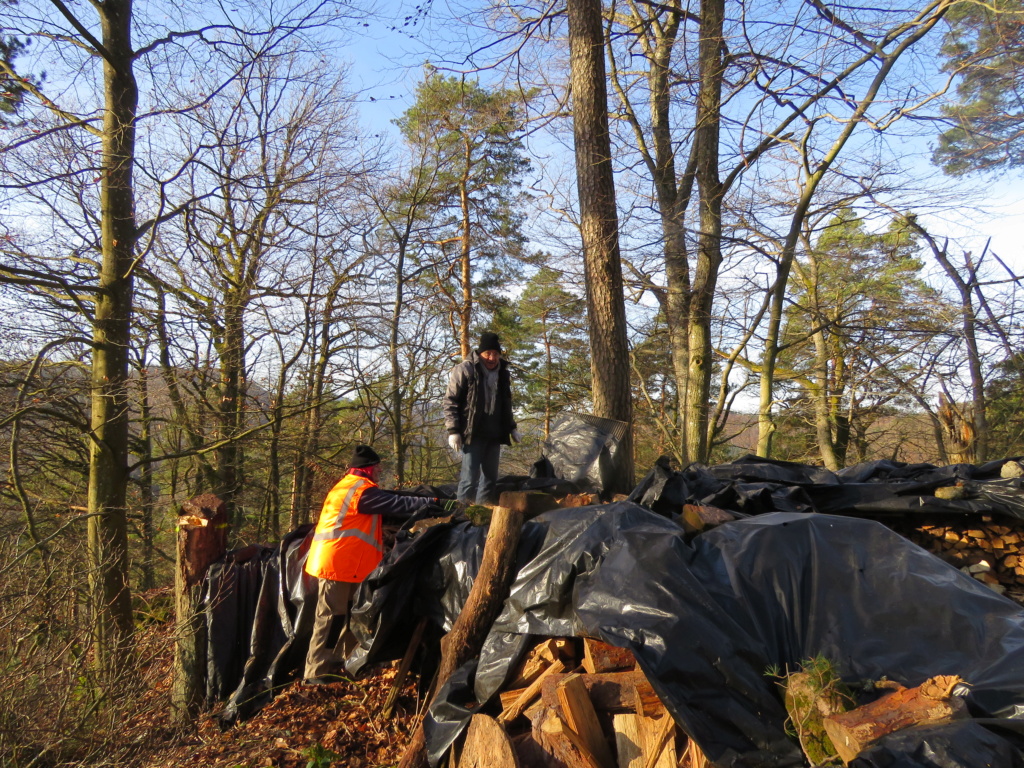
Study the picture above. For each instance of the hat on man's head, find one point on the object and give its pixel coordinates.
(489, 340)
(364, 456)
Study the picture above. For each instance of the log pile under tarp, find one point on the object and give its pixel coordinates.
(576, 703)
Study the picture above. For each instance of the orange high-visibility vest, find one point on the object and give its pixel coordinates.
(346, 545)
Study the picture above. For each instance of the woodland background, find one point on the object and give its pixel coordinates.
(220, 269)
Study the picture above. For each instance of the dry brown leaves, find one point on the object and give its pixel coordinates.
(304, 723)
(327, 726)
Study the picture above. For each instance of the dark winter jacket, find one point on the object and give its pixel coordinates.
(464, 403)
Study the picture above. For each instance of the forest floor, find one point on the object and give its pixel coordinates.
(337, 725)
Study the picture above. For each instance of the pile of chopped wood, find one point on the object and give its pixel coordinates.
(576, 703)
(991, 552)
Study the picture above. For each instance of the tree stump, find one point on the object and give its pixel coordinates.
(202, 541)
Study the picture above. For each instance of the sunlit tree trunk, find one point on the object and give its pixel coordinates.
(599, 226)
(108, 456)
(709, 247)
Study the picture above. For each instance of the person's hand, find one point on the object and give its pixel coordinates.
(455, 442)
(516, 437)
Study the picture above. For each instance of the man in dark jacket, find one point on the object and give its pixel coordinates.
(479, 420)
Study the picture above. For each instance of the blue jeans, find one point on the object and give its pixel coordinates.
(479, 476)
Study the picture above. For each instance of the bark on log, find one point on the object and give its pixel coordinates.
(486, 598)
(202, 541)
(931, 703)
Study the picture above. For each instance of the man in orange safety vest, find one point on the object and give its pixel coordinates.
(347, 546)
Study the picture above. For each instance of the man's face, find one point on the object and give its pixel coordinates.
(490, 358)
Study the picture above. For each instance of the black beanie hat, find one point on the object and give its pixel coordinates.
(364, 456)
(489, 340)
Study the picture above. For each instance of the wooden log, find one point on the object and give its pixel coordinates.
(487, 745)
(581, 717)
(637, 736)
(578, 500)
(539, 658)
(930, 703)
(529, 503)
(697, 517)
(659, 743)
(612, 692)
(563, 747)
(599, 657)
(202, 540)
(485, 600)
(526, 696)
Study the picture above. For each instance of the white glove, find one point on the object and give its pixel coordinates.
(516, 437)
(455, 442)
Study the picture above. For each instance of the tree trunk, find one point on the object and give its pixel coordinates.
(230, 413)
(108, 452)
(709, 248)
(398, 436)
(819, 391)
(146, 482)
(606, 310)
(485, 601)
(466, 310)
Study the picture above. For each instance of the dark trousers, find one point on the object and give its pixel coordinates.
(478, 480)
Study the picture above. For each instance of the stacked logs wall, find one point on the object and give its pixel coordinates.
(990, 550)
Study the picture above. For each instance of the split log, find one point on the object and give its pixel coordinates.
(611, 692)
(484, 603)
(561, 746)
(202, 540)
(931, 703)
(540, 658)
(636, 738)
(581, 717)
(487, 745)
(526, 696)
(660, 744)
(599, 657)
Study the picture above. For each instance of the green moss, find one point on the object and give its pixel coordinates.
(479, 515)
(810, 695)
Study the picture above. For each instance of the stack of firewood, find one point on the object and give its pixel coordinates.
(992, 553)
(576, 703)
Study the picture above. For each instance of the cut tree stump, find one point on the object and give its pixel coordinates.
(930, 703)
(487, 745)
(202, 540)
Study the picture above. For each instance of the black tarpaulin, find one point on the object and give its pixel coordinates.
(707, 619)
